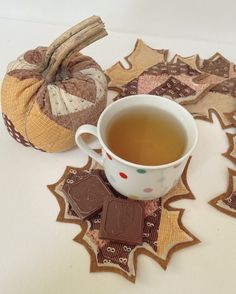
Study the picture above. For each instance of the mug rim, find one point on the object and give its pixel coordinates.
(140, 166)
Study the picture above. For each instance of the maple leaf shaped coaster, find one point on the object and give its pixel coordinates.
(226, 202)
(163, 232)
(151, 73)
(221, 98)
(201, 86)
(231, 152)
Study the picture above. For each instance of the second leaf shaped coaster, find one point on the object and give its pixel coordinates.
(163, 232)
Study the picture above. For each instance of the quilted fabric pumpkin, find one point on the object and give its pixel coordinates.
(49, 92)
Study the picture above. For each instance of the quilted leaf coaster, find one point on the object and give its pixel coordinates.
(203, 87)
(150, 73)
(226, 202)
(231, 152)
(163, 232)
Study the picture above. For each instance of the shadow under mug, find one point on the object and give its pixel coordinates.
(137, 181)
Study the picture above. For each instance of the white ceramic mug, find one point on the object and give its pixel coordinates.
(134, 180)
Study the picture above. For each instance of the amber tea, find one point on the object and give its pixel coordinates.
(147, 136)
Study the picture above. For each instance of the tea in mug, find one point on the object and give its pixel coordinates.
(147, 136)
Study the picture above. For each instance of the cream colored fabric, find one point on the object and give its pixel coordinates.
(21, 63)
(99, 79)
(63, 103)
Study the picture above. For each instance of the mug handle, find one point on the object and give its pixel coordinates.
(88, 129)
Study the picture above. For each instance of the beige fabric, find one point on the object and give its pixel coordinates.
(63, 103)
(20, 63)
(170, 233)
(221, 203)
(17, 99)
(46, 133)
(192, 61)
(179, 189)
(142, 58)
(220, 102)
(99, 79)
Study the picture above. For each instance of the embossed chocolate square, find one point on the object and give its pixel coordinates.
(122, 221)
(87, 196)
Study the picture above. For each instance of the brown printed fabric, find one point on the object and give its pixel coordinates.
(130, 88)
(231, 201)
(13, 132)
(81, 86)
(219, 66)
(171, 69)
(76, 62)
(151, 225)
(95, 222)
(173, 88)
(23, 74)
(227, 87)
(35, 56)
(16, 135)
(115, 253)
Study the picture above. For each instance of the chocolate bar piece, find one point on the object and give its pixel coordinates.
(87, 196)
(122, 221)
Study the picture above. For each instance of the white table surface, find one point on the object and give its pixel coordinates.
(37, 254)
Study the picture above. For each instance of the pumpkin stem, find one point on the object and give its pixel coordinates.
(78, 37)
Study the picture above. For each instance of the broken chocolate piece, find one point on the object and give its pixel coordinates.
(122, 221)
(86, 196)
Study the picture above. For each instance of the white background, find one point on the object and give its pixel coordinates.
(37, 254)
(191, 19)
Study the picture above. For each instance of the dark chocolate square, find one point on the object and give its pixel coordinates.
(87, 196)
(122, 221)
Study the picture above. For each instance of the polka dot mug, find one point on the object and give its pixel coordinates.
(134, 180)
